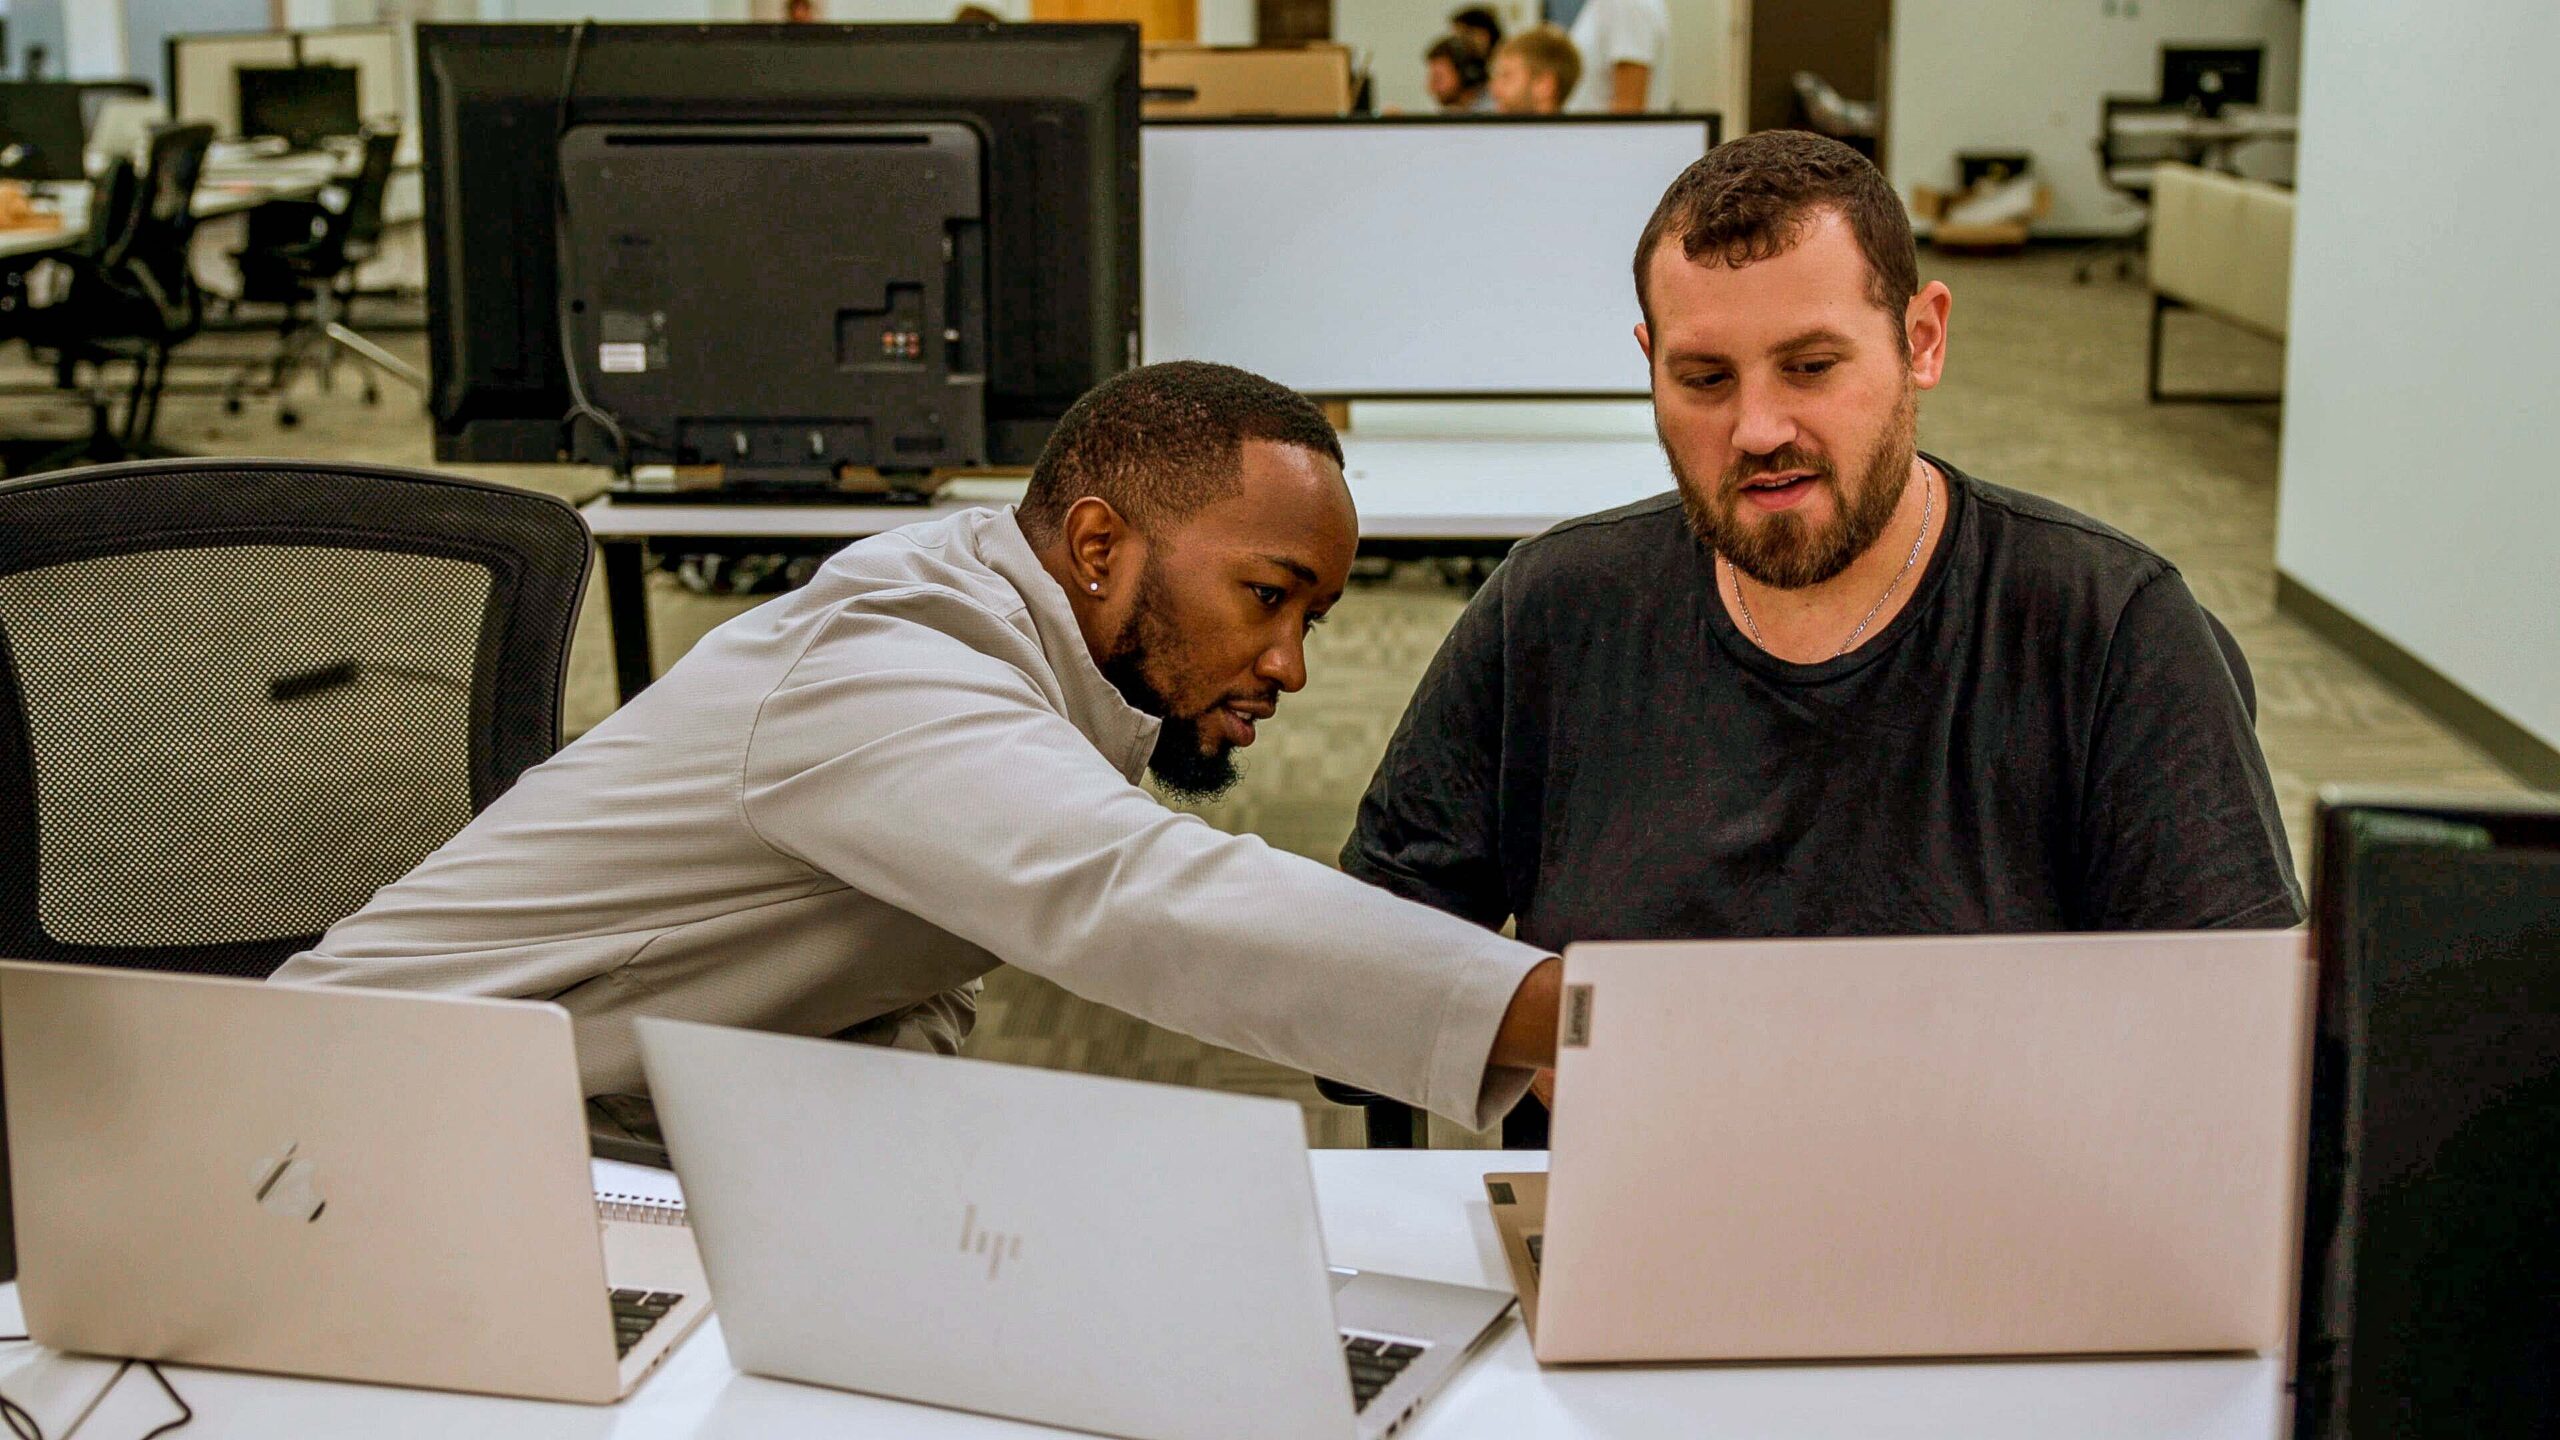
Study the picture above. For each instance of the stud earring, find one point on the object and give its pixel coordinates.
(1094, 585)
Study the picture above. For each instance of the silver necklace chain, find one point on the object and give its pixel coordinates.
(1928, 497)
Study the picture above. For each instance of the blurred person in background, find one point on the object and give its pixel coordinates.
(1534, 71)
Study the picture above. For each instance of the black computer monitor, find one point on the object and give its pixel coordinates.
(41, 135)
(2431, 1247)
(793, 258)
(302, 104)
(2208, 77)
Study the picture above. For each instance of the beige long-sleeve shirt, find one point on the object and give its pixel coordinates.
(843, 807)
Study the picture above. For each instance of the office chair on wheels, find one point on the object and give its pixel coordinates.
(239, 696)
(304, 255)
(131, 299)
(1394, 1125)
(2125, 162)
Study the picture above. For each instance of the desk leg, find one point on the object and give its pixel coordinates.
(626, 596)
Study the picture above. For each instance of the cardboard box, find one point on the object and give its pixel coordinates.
(1202, 81)
(1954, 230)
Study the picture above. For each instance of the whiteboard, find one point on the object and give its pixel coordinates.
(1407, 258)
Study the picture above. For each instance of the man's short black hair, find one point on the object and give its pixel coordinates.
(1481, 19)
(1159, 442)
(1463, 60)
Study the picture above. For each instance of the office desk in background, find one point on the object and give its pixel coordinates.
(2214, 139)
(1413, 1212)
(224, 190)
(1416, 496)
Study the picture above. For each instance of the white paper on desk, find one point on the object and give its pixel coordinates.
(640, 1182)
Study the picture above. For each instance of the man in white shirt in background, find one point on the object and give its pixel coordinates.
(845, 806)
(1626, 51)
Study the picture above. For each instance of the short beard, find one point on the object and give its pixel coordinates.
(1782, 551)
(1183, 763)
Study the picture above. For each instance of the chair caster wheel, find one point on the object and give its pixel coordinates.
(230, 404)
(373, 397)
(288, 418)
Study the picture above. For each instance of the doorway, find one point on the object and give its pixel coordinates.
(1848, 43)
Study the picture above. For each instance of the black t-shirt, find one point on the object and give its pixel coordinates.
(2047, 738)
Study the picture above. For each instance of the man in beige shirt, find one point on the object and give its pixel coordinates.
(845, 806)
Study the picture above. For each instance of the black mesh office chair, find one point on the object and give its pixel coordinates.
(239, 696)
(1394, 1125)
(132, 296)
(304, 255)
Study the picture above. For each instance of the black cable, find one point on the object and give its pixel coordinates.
(579, 404)
(23, 1426)
(186, 1412)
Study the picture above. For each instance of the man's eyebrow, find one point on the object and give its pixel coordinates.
(1306, 573)
(1818, 335)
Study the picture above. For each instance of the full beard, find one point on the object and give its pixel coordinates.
(1185, 763)
(1784, 551)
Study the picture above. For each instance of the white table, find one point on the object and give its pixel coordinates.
(1415, 495)
(1414, 1212)
(2216, 137)
(224, 190)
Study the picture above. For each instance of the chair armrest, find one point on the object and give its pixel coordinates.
(1392, 1124)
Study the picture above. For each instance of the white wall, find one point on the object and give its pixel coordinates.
(92, 41)
(2419, 492)
(1392, 34)
(2027, 75)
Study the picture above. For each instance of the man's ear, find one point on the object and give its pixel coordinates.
(1644, 342)
(1099, 543)
(1924, 330)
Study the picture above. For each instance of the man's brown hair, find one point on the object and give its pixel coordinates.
(1547, 50)
(1753, 198)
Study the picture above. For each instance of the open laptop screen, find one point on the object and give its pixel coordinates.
(2431, 1293)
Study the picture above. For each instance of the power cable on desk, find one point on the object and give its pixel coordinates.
(562, 248)
(24, 1427)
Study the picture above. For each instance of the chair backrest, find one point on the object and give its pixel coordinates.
(239, 696)
(115, 212)
(2126, 155)
(362, 219)
(166, 232)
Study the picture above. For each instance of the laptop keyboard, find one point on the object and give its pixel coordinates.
(1375, 1363)
(634, 1311)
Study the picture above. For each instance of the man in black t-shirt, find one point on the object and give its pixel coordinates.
(1832, 685)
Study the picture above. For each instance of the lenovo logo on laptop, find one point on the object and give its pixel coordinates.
(997, 1246)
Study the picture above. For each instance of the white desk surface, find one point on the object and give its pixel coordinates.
(2232, 124)
(1414, 1212)
(1407, 488)
(225, 189)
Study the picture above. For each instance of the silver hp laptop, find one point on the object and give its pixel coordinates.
(354, 1184)
(1138, 1260)
(1996, 1145)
